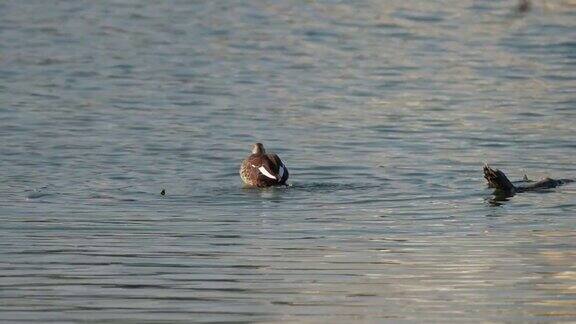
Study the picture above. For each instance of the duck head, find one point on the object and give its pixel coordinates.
(258, 148)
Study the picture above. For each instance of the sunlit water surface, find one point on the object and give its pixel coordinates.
(384, 111)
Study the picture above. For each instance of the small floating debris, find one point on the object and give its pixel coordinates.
(163, 192)
(524, 6)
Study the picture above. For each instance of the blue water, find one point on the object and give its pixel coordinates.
(384, 112)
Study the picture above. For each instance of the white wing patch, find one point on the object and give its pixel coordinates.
(265, 172)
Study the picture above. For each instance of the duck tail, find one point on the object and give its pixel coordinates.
(498, 180)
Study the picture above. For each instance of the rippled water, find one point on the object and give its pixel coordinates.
(384, 111)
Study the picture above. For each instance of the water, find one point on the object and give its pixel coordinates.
(383, 111)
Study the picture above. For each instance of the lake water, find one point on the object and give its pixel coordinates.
(384, 112)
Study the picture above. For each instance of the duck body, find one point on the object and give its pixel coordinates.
(498, 180)
(263, 170)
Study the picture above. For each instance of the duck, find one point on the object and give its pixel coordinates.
(262, 170)
(499, 181)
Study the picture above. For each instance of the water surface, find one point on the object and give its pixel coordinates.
(383, 111)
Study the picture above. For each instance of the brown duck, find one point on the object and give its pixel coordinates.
(498, 180)
(263, 170)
